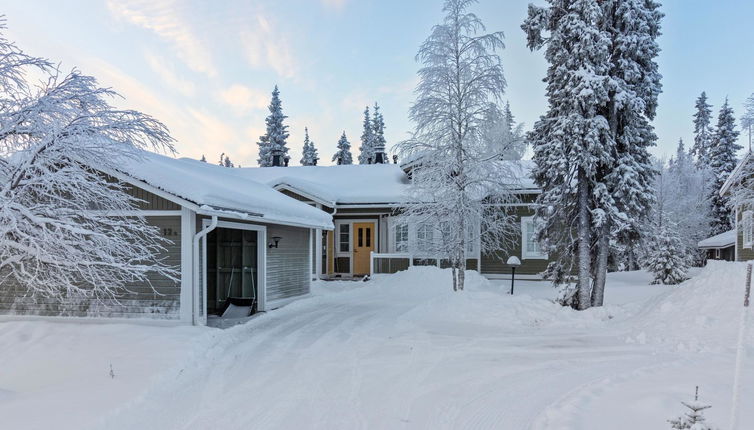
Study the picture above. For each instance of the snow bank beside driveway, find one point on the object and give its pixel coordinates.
(701, 314)
(57, 374)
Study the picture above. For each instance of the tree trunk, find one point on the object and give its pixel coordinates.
(461, 274)
(603, 249)
(454, 271)
(584, 241)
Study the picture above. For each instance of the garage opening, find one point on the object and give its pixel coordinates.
(232, 273)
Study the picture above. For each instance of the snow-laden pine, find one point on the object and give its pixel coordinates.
(505, 139)
(310, 156)
(379, 153)
(225, 161)
(343, 154)
(367, 140)
(693, 418)
(747, 119)
(591, 147)
(667, 258)
(681, 194)
(275, 139)
(722, 161)
(67, 229)
(703, 132)
(456, 185)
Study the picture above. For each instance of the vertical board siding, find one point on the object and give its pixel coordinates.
(160, 300)
(743, 254)
(288, 264)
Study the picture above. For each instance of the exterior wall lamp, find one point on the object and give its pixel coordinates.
(275, 242)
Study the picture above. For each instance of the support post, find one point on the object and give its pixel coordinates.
(513, 276)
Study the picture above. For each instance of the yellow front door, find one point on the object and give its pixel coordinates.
(363, 245)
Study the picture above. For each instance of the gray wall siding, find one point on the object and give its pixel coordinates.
(493, 263)
(288, 265)
(139, 301)
(151, 201)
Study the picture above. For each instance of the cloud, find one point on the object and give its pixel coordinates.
(263, 47)
(334, 4)
(243, 99)
(167, 73)
(164, 19)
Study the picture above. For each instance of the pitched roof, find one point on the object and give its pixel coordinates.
(722, 240)
(351, 184)
(218, 190)
(359, 184)
(735, 173)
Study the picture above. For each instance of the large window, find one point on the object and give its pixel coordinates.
(401, 238)
(529, 246)
(748, 225)
(424, 237)
(344, 238)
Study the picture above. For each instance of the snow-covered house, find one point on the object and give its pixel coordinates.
(235, 241)
(743, 248)
(363, 201)
(720, 246)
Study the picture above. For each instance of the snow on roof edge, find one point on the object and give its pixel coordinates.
(722, 240)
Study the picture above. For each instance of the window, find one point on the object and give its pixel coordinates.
(401, 238)
(424, 237)
(748, 225)
(344, 238)
(529, 246)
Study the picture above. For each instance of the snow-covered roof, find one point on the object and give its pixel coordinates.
(351, 184)
(734, 174)
(218, 190)
(722, 240)
(358, 184)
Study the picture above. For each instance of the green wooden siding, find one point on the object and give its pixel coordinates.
(493, 263)
(151, 201)
(160, 300)
(742, 254)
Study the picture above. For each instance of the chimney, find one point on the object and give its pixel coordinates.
(276, 157)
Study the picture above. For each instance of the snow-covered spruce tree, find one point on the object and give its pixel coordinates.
(693, 419)
(667, 258)
(572, 139)
(602, 89)
(275, 139)
(343, 154)
(747, 119)
(225, 161)
(310, 152)
(703, 133)
(203, 159)
(633, 89)
(461, 80)
(378, 137)
(722, 161)
(367, 140)
(63, 230)
(505, 139)
(682, 195)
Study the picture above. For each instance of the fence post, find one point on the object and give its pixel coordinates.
(740, 353)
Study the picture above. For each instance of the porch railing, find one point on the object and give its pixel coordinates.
(380, 262)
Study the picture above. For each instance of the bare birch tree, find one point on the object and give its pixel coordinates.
(456, 185)
(65, 227)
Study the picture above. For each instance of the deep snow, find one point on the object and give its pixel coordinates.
(400, 351)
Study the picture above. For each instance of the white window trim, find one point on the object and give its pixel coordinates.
(525, 254)
(338, 252)
(748, 225)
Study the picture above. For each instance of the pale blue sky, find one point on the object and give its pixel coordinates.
(206, 68)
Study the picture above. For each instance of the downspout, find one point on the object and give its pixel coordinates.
(197, 237)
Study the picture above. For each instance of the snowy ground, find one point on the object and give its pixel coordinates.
(400, 351)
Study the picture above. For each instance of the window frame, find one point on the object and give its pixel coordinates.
(525, 253)
(405, 236)
(339, 250)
